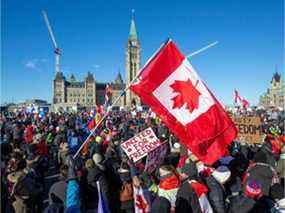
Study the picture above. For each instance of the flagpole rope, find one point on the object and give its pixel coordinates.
(135, 78)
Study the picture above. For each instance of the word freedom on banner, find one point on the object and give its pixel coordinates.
(155, 158)
(249, 129)
(138, 146)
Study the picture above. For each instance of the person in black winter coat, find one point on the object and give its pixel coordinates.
(186, 198)
(161, 205)
(57, 192)
(55, 207)
(162, 132)
(262, 172)
(240, 204)
(217, 194)
(27, 192)
(240, 162)
(265, 155)
(253, 192)
(112, 164)
(96, 172)
(127, 201)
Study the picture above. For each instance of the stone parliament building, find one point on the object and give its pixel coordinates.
(73, 94)
(275, 95)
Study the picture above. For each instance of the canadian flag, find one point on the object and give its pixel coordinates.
(238, 98)
(171, 87)
(201, 191)
(108, 94)
(141, 205)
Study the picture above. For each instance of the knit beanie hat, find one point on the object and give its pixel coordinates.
(97, 158)
(221, 174)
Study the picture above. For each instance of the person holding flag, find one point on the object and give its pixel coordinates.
(174, 91)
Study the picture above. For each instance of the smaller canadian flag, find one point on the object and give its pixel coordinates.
(241, 100)
(141, 205)
(201, 191)
(108, 94)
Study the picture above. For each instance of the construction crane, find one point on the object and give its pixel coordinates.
(57, 51)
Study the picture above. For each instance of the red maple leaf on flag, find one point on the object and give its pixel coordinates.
(140, 203)
(187, 94)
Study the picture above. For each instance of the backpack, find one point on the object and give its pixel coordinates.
(126, 193)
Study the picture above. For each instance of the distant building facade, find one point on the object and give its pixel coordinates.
(275, 95)
(73, 94)
(36, 104)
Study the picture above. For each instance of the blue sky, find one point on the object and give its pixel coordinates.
(93, 34)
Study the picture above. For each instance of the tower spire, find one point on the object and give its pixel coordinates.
(119, 79)
(133, 14)
(133, 31)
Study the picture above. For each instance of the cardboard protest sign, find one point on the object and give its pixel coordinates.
(138, 146)
(249, 129)
(155, 158)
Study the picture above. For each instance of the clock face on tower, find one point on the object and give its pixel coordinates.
(133, 43)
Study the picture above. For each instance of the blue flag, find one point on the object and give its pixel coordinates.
(102, 206)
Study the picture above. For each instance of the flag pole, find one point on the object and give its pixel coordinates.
(128, 86)
(202, 49)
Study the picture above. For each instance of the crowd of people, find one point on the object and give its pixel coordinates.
(249, 179)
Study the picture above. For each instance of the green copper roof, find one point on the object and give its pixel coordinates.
(133, 31)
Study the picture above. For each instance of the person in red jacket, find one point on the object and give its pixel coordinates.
(41, 145)
(28, 134)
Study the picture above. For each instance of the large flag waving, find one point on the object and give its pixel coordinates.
(174, 91)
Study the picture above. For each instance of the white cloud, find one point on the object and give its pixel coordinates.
(96, 66)
(31, 65)
(35, 64)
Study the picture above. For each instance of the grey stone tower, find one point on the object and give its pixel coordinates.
(133, 59)
(59, 92)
